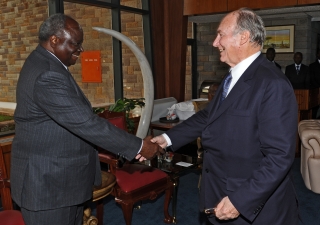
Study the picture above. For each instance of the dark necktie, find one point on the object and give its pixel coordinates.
(226, 85)
(298, 69)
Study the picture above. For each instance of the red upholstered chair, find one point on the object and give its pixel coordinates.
(135, 182)
(8, 216)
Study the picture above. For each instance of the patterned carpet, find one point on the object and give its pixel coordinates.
(151, 212)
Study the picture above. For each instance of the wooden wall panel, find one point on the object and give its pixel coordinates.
(259, 4)
(158, 41)
(306, 2)
(169, 37)
(194, 7)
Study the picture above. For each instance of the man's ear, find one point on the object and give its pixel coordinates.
(53, 40)
(244, 37)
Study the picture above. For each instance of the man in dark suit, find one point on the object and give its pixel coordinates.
(314, 69)
(248, 133)
(271, 54)
(298, 73)
(54, 164)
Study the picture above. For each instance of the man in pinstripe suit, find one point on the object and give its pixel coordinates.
(54, 164)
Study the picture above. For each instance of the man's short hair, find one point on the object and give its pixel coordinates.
(250, 21)
(53, 25)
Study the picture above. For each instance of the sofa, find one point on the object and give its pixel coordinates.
(309, 133)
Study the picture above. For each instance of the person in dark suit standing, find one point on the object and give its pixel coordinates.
(298, 73)
(54, 164)
(314, 69)
(248, 133)
(271, 54)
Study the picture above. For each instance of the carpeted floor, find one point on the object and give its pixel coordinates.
(151, 212)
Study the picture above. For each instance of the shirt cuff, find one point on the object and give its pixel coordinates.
(169, 143)
(140, 148)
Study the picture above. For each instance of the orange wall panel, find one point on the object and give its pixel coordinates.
(91, 66)
(194, 7)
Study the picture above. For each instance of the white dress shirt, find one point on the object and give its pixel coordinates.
(236, 73)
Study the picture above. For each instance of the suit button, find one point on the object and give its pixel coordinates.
(207, 171)
(206, 151)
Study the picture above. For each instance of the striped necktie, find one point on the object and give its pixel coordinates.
(298, 69)
(226, 85)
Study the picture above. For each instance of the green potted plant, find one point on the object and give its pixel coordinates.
(125, 105)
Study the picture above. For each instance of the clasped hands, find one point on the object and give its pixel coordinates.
(152, 147)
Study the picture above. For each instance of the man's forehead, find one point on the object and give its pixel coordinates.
(227, 22)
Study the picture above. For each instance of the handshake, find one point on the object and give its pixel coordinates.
(152, 147)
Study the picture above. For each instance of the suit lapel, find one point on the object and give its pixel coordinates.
(236, 92)
(78, 89)
(55, 63)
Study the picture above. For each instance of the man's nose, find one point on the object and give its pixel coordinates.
(215, 42)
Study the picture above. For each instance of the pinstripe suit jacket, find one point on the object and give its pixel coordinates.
(54, 163)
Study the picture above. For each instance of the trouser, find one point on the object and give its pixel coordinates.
(72, 215)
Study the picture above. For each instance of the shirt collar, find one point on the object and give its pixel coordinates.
(239, 69)
(59, 60)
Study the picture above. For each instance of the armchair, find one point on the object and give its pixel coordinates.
(135, 182)
(8, 216)
(309, 132)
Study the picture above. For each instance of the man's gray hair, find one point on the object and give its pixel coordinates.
(53, 25)
(250, 21)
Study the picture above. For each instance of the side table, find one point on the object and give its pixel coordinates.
(175, 171)
(157, 125)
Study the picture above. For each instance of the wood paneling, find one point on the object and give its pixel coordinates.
(306, 2)
(194, 7)
(169, 35)
(259, 4)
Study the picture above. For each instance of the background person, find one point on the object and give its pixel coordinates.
(248, 138)
(314, 71)
(298, 73)
(54, 164)
(271, 54)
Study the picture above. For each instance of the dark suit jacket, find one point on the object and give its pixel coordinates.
(274, 63)
(300, 81)
(314, 70)
(249, 147)
(277, 65)
(54, 163)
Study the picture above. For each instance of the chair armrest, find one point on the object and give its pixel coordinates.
(110, 159)
(309, 132)
(4, 183)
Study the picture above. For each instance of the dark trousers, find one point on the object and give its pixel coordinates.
(72, 215)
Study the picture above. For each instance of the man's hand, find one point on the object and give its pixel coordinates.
(225, 210)
(149, 150)
(160, 140)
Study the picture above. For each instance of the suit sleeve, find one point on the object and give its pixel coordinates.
(60, 98)
(277, 130)
(287, 72)
(190, 129)
(308, 79)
